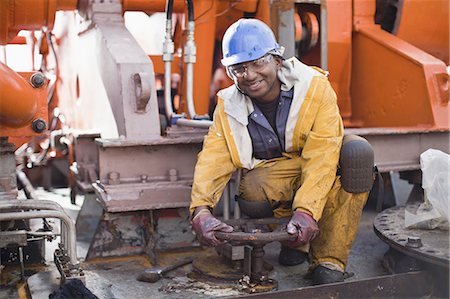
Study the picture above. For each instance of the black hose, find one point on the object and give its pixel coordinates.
(169, 8)
(190, 7)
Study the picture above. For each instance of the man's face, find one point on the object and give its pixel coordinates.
(258, 78)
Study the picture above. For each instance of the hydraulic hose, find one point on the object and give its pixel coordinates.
(190, 7)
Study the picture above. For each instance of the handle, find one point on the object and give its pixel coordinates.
(177, 264)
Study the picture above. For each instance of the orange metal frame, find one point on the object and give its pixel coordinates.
(380, 79)
(393, 83)
(16, 15)
(22, 104)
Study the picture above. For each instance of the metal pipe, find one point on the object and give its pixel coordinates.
(194, 123)
(38, 205)
(190, 89)
(22, 267)
(72, 248)
(190, 58)
(31, 204)
(167, 90)
(27, 186)
(168, 50)
(237, 208)
(226, 202)
(190, 53)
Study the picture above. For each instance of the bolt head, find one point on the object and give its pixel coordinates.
(39, 125)
(414, 242)
(37, 80)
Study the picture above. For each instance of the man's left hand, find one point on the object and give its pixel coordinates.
(303, 228)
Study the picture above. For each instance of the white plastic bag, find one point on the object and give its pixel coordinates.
(434, 212)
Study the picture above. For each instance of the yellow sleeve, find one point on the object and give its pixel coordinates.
(320, 154)
(214, 166)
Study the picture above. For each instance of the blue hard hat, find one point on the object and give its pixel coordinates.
(246, 40)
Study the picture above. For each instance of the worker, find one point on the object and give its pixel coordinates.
(280, 124)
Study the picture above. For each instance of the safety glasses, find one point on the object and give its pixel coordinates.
(240, 70)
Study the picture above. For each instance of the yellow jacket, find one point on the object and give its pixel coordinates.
(314, 131)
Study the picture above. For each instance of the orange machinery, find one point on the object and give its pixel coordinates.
(356, 64)
(359, 54)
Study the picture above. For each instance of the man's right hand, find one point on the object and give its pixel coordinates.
(205, 224)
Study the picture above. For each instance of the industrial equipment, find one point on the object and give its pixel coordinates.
(122, 91)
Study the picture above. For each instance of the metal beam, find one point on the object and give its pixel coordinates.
(406, 285)
(399, 149)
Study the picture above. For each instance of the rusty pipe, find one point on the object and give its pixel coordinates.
(18, 99)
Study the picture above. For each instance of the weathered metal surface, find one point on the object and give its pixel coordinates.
(255, 237)
(87, 222)
(143, 196)
(231, 252)
(414, 83)
(215, 267)
(255, 277)
(8, 181)
(389, 225)
(69, 237)
(400, 149)
(406, 285)
(120, 234)
(254, 231)
(145, 175)
(62, 262)
(13, 238)
(120, 58)
(86, 157)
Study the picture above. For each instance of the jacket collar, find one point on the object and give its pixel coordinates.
(239, 106)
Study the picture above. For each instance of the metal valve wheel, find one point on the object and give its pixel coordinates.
(247, 231)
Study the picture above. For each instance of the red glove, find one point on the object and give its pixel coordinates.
(205, 224)
(304, 227)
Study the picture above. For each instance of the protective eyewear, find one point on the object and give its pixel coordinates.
(239, 70)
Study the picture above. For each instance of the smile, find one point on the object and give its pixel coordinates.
(254, 85)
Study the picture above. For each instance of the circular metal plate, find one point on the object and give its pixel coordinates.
(389, 225)
(214, 266)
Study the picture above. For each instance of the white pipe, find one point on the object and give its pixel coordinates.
(190, 89)
(167, 90)
(205, 124)
(168, 50)
(72, 248)
(190, 58)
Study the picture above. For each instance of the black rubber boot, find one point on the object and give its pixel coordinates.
(323, 275)
(291, 257)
